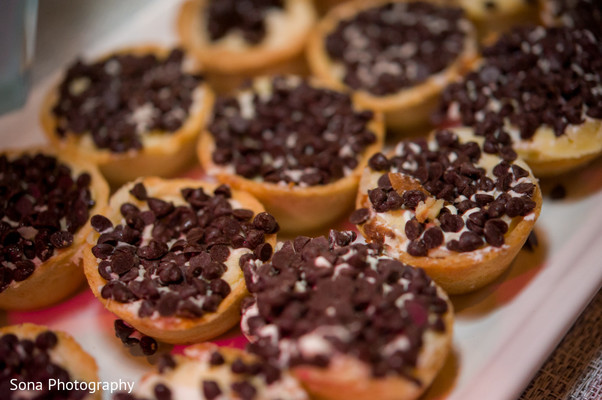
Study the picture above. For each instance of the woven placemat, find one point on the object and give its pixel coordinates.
(574, 370)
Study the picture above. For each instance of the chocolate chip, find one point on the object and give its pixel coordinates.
(123, 330)
(359, 216)
(165, 362)
(149, 346)
(238, 366)
(379, 162)
(242, 214)
(244, 389)
(160, 207)
(216, 358)
(265, 222)
(413, 229)
(451, 223)
(168, 304)
(162, 392)
(219, 253)
(101, 223)
(263, 251)
(411, 198)
(211, 389)
(139, 191)
(23, 270)
(46, 340)
(470, 241)
(433, 237)
(61, 239)
(417, 248)
(494, 232)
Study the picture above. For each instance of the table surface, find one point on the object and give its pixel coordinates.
(573, 370)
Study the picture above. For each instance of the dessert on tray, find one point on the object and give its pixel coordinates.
(165, 256)
(208, 372)
(349, 321)
(233, 39)
(134, 112)
(538, 88)
(459, 211)
(38, 360)
(47, 200)
(396, 55)
(297, 147)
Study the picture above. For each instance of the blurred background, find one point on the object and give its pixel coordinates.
(31, 50)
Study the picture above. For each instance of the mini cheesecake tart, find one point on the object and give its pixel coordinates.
(46, 203)
(135, 112)
(208, 372)
(445, 205)
(233, 38)
(579, 14)
(165, 256)
(540, 89)
(38, 355)
(396, 56)
(349, 321)
(297, 147)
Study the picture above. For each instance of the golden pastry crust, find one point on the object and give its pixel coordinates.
(297, 209)
(410, 107)
(498, 16)
(549, 155)
(348, 378)
(173, 329)
(193, 368)
(61, 275)
(456, 273)
(163, 154)
(286, 35)
(67, 353)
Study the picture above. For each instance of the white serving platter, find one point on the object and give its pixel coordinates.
(503, 333)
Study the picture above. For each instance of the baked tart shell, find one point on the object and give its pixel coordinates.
(172, 329)
(167, 154)
(61, 275)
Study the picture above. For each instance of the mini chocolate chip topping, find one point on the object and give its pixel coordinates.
(119, 99)
(299, 134)
(245, 16)
(397, 45)
(124, 332)
(477, 194)
(247, 378)
(30, 361)
(171, 258)
(43, 205)
(531, 77)
(580, 14)
(321, 297)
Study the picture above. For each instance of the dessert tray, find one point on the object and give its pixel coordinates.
(503, 332)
